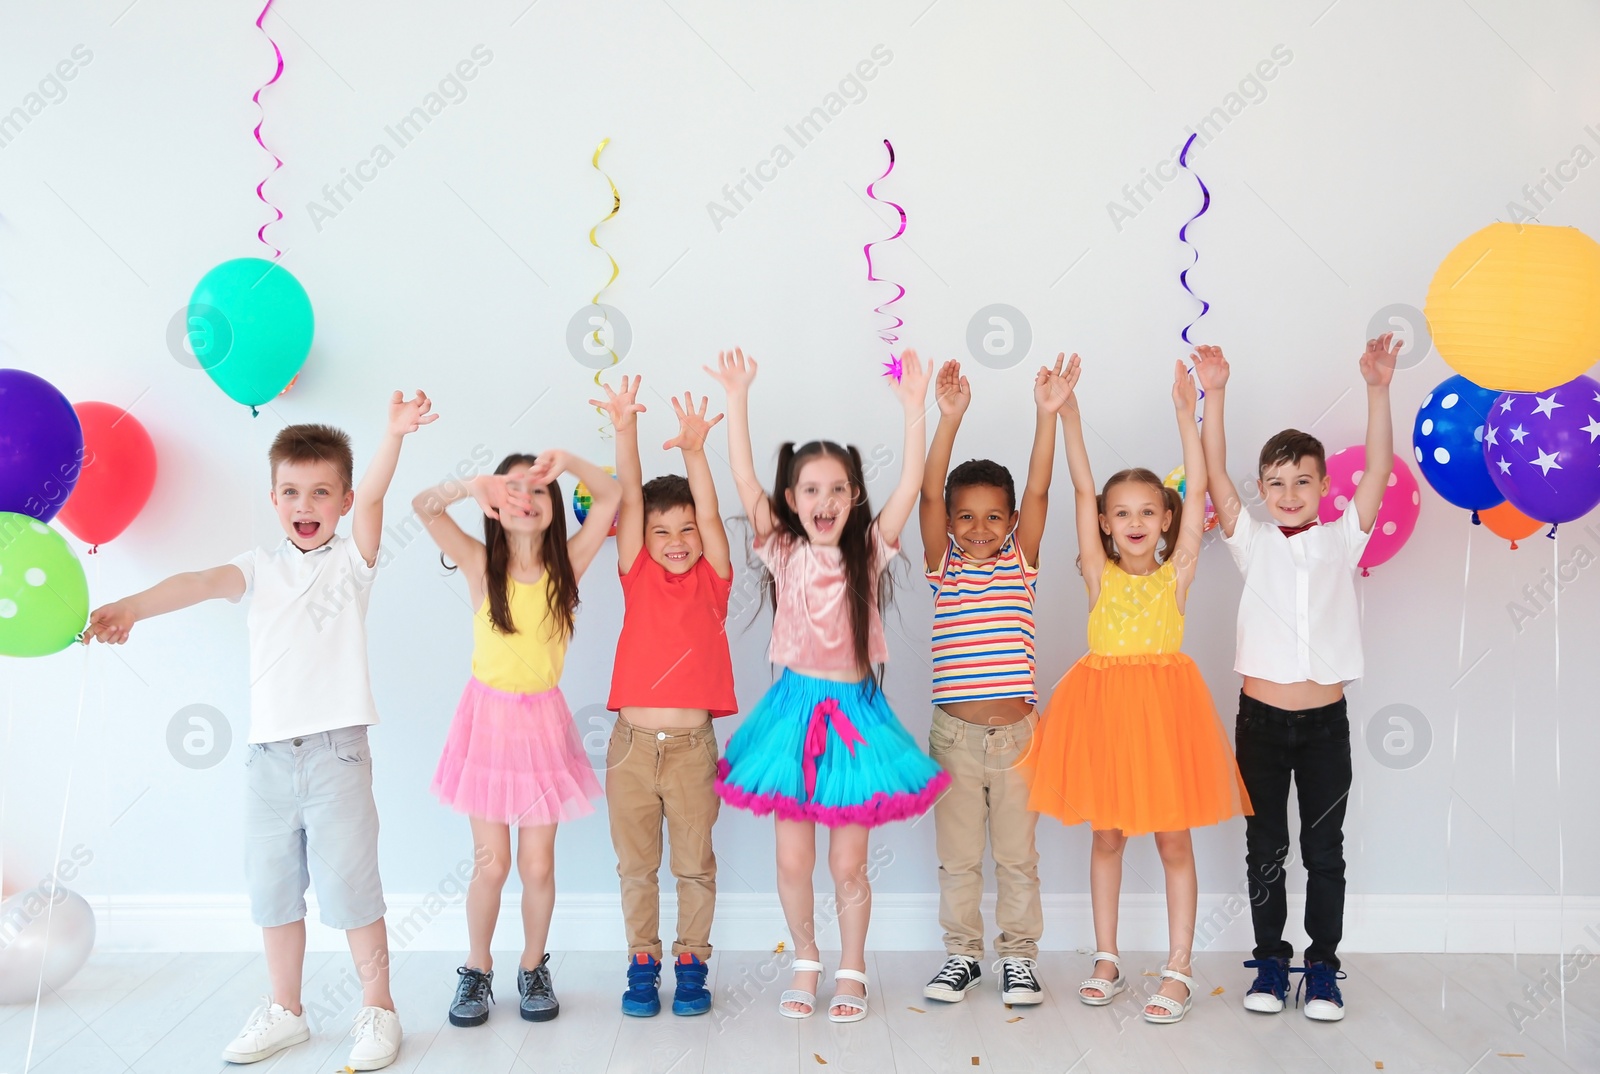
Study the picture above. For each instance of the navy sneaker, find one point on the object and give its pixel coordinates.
(1271, 986)
(538, 992)
(1321, 986)
(473, 996)
(691, 995)
(642, 1000)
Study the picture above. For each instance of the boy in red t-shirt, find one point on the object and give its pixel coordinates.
(672, 675)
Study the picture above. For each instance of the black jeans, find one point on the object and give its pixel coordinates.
(1313, 747)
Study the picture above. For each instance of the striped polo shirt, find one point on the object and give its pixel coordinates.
(983, 626)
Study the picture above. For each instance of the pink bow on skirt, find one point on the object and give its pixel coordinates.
(825, 714)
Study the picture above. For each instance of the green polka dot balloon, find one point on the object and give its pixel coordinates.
(44, 599)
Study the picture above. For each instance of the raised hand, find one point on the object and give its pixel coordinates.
(912, 388)
(734, 371)
(496, 493)
(693, 426)
(621, 406)
(1184, 395)
(1210, 368)
(1377, 361)
(550, 464)
(951, 390)
(409, 415)
(1050, 388)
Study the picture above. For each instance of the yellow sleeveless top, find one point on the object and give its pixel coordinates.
(529, 661)
(1136, 615)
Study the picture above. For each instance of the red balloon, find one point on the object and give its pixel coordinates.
(119, 470)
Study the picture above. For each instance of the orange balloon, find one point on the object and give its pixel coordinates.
(1506, 521)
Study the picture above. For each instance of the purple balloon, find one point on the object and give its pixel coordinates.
(41, 446)
(1543, 449)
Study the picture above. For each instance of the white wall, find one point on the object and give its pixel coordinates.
(1391, 134)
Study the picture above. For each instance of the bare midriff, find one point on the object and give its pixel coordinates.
(990, 712)
(1293, 696)
(652, 719)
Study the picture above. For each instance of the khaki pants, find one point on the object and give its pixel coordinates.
(988, 794)
(653, 776)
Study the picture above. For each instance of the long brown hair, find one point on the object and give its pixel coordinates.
(1138, 475)
(552, 554)
(855, 540)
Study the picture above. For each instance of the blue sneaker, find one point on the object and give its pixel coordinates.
(1321, 986)
(642, 1000)
(691, 996)
(1271, 986)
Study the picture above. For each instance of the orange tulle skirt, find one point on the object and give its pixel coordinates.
(1134, 743)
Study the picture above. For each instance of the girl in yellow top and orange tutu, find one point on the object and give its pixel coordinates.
(1131, 742)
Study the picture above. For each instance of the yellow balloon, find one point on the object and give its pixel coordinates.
(1516, 307)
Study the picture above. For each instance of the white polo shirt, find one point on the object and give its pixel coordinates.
(1298, 617)
(308, 638)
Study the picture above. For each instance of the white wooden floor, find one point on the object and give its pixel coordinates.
(1445, 1013)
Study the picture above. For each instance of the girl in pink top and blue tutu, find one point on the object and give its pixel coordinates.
(823, 746)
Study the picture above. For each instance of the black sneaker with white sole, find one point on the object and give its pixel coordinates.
(958, 974)
(1018, 984)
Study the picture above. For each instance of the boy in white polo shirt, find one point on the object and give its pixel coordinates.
(1299, 643)
(309, 812)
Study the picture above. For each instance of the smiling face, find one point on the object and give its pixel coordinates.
(309, 498)
(1135, 515)
(821, 496)
(672, 539)
(979, 520)
(1293, 490)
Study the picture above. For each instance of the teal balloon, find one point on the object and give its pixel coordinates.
(44, 599)
(250, 326)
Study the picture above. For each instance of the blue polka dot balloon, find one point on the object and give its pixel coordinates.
(1448, 443)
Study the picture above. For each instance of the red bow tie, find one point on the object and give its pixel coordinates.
(1290, 531)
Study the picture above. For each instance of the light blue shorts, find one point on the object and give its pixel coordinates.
(309, 815)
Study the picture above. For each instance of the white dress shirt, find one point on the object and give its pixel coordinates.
(1298, 617)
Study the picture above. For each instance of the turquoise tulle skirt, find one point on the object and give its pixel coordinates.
(828, 752)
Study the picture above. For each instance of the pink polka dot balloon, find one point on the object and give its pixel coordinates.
(1397, 515)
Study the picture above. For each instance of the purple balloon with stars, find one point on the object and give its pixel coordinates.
(1543, 449)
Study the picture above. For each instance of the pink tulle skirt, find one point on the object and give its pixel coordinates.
(515, 759)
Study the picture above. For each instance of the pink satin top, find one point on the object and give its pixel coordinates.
(811, 626)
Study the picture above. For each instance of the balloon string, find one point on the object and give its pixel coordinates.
(1455, 739)
(889, 334)
(1561, 827)
(616, 207)
(1183, 277)
(277, 73)
(61, 838)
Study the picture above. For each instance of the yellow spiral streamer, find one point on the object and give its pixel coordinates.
(616, 207)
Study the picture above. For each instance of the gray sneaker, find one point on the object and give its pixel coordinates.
(539, 1003)
(474, 993)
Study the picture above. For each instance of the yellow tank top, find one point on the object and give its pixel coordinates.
(1136, 615)
(529, 661)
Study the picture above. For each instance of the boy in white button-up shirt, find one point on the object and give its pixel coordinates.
(1299, 642)
(309, 811)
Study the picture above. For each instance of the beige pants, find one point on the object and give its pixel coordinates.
(988, 795)
(653, 776)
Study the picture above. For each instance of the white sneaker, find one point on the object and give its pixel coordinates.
(271, 1029)
(377, 1033)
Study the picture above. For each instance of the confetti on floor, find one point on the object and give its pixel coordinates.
(1018, 1018)
(974, 1060)
(1378, 1065)
(1151, 973)
(819, 1059)
(1511, 1055)
(779, 949)
(919, 1010)
(1217, 991)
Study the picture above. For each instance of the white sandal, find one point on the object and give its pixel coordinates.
(1108, 989)
(1175, 1009)
(795, 995)
(857, 1004)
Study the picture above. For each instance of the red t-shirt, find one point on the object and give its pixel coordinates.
(673, 649)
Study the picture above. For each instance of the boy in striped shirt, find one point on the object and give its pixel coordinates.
(980, 555)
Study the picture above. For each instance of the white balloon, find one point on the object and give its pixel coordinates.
(46, 928)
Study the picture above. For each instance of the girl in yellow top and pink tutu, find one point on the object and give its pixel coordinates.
(513, 758)
(1131, 742)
